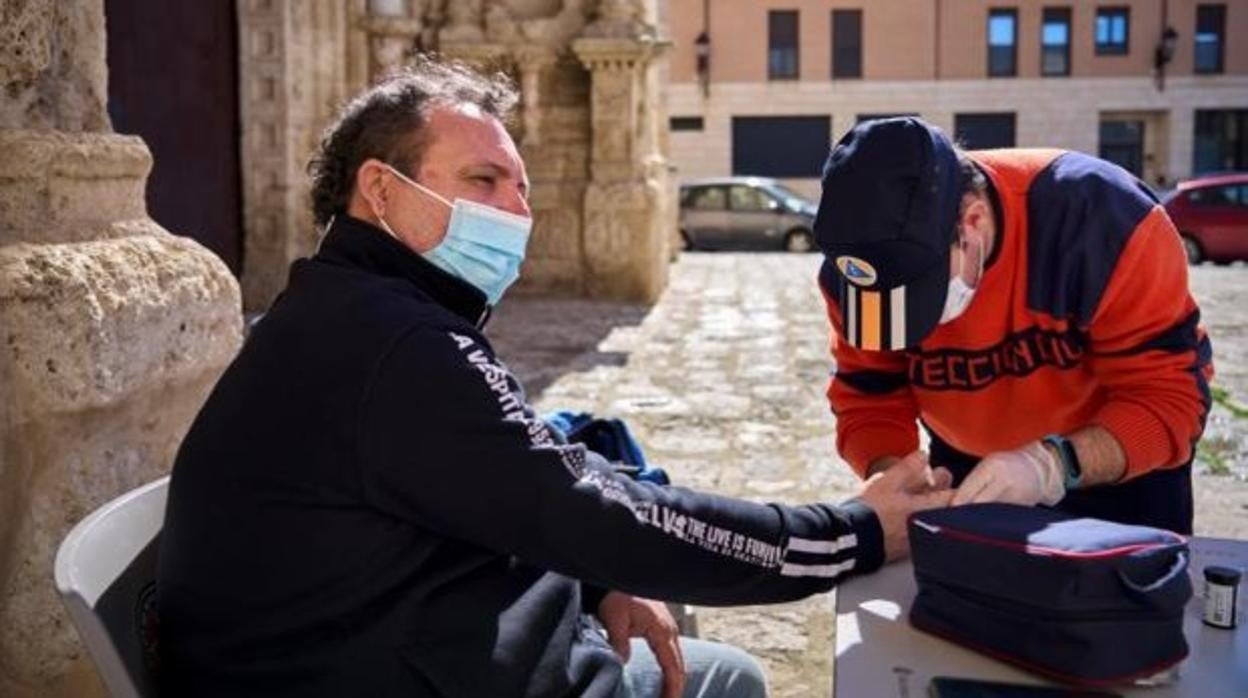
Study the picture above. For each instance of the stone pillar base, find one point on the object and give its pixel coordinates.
(112, 332)
(625, 257)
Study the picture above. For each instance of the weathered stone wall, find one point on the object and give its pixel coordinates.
(112, 330)
(49, 83)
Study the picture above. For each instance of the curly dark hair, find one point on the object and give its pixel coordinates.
(387, 122)
(970, 177)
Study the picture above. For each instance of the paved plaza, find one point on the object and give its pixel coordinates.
(723, 381)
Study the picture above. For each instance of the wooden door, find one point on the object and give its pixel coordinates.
(173, 80)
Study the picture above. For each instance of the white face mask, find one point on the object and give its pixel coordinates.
(960, 293)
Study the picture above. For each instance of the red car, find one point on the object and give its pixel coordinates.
(1211, 214)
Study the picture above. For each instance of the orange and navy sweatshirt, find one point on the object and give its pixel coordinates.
(1083, 317)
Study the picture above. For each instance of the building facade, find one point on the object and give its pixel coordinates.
(269, 76)
(590, 128)
(763, 87)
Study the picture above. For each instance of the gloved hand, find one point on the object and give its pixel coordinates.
(1028, 475)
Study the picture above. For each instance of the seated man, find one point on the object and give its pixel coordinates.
(367, 506)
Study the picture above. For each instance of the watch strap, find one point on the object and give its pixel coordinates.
(1068, 457)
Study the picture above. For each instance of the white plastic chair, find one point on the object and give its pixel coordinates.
(106, 574)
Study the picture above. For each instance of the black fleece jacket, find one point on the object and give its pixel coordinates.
(366, 505)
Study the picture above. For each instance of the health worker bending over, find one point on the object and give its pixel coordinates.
(1029, 308)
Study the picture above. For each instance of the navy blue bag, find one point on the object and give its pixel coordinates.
(1082, 601)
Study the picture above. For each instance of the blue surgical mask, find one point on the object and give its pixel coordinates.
(483, 245)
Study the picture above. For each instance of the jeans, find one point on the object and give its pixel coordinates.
(712, 670)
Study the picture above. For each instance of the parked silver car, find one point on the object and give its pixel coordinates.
(745, 213)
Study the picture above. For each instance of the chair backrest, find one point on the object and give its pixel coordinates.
(106, 574)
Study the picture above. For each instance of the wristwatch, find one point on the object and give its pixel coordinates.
(1071, 470)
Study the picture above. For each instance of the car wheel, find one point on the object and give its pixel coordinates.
(799, 241)
(1194, 254)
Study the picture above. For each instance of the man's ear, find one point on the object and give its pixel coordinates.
(976, 217)
(371, 186)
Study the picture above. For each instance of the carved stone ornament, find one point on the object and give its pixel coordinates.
(530, 63)
(555, 30)
(393, 38)
(620, 19)
(464, 21)
(500, 25)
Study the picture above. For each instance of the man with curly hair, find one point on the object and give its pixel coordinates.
(366, 505)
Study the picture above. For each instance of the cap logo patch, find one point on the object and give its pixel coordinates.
(857, 271)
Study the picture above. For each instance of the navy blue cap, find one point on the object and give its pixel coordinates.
(892, 191)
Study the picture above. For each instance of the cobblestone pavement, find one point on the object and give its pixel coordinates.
(723, 381)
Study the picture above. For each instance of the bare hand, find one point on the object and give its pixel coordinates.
(627, 617)
(917, 462)
(906, 486)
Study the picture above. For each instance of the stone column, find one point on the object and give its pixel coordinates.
(554, 138)
(531, 63)
(294, 67)
(112, 330)
(626, 234)
(461, 36)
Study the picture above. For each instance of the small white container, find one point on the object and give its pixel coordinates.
(1221, 596)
